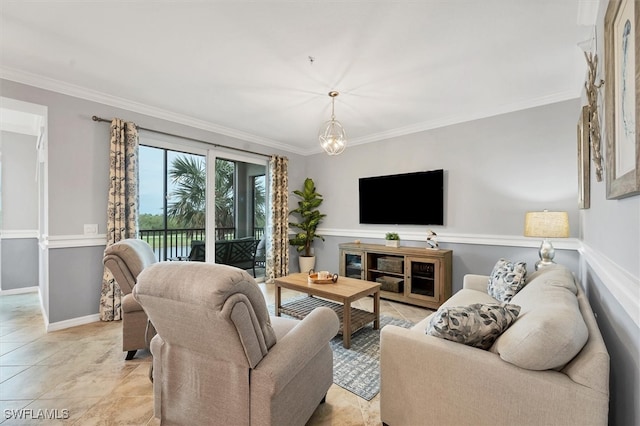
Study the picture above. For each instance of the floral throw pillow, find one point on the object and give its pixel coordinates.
(477, 325)
(506, 279)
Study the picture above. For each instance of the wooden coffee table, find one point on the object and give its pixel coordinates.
(344, 291)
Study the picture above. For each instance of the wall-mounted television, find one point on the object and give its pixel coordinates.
(403, 199)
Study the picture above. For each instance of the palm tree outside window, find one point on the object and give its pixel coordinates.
(173, 200)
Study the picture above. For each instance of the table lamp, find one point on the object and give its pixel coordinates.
(546, 224)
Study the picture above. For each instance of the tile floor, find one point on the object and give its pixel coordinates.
(79, 374)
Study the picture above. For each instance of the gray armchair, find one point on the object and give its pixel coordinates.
(220, 359)
(126, 259)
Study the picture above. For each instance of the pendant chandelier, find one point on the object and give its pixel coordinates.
(332, 136)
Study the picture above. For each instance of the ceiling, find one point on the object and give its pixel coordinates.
(261, 70)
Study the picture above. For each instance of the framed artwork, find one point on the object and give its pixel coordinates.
(584, 196)
(622, 97)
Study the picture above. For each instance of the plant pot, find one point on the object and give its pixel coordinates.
(306, 263)
(392, 243)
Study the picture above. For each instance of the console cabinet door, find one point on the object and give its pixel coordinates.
(423, 279)
(352, 264)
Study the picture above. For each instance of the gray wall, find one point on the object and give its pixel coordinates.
(78, 158)
(611, 233)
(18, 254)
(74, 290)
(496, 169)
(19, 263)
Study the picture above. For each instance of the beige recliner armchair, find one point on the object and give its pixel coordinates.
(126, 259)
(220, 359)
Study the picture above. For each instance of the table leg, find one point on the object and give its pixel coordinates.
(346, 325)
(376, 310)
(278, 299)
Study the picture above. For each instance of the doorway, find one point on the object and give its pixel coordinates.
(23, 199)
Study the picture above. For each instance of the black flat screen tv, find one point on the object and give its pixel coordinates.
(403, 199)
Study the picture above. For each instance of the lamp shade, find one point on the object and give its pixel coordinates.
(546, 224)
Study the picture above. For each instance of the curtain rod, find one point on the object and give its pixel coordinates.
(100, 120)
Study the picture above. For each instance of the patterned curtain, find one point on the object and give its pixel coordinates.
(122, 207)
(278, 244)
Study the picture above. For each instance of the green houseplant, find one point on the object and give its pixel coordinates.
(393, 239)
(310, 217)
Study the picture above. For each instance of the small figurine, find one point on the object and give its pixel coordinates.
(432, 239)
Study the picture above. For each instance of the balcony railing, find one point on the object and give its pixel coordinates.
(176, 243)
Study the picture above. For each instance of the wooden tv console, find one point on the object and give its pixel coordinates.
(414, 275)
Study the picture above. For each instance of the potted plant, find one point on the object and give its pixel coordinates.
(393, 239)
(310, 218)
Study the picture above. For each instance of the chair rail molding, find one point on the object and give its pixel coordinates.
(479, 239)
(70, 241)
(16, 234)
(622, 285)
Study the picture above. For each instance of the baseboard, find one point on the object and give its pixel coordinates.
(33, 289)
(73, 322)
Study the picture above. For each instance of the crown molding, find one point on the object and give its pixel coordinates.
(114, 101)
(129, 105)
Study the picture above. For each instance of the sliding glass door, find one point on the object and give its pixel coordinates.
(194, 200)
(172, 201)
(239, 190)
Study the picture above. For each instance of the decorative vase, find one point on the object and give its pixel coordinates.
(306, 263)
(392, 243)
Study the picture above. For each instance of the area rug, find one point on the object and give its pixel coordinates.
(358, 369)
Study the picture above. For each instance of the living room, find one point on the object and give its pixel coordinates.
(498, 165)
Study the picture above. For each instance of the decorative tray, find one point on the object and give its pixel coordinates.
(313, 279)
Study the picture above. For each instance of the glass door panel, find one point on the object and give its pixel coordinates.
(422, 276)
(352, 266)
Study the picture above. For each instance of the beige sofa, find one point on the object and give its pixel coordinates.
(550, 367)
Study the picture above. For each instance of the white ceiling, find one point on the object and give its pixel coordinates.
(243, 68)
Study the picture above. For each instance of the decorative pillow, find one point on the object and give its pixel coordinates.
(506, 279)
(477, 325)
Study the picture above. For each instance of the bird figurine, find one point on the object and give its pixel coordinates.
(432, 239)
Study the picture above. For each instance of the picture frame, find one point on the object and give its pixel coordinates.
(584, 160)
(622, 98)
